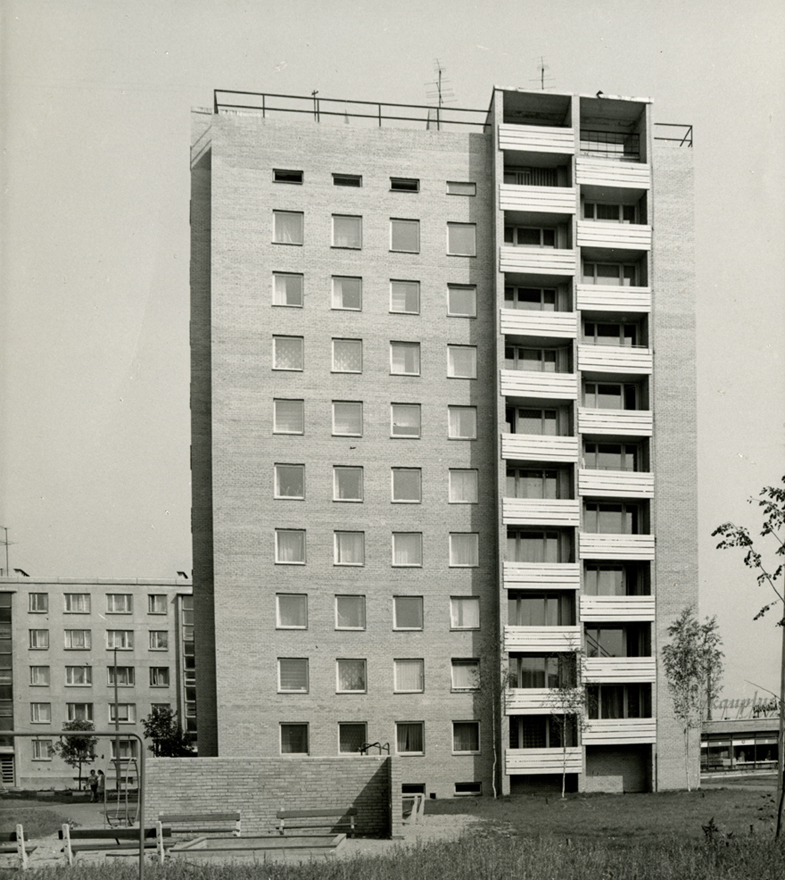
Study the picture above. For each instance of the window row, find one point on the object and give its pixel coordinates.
(409, 738)
(351, 675)
(288, 353)
(347, 232)
(123, 713)
(349, 483)
(397, 184)
(347, 295)
(82, 639)
(43, 749)
(82, 676)
(291, 612)
(347, 419)
(81, 603)
(349, 548)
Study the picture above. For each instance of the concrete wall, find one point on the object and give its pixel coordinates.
(258, 787)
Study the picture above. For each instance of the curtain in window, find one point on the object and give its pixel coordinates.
(409, 675)
(466, 736)
(409, 737)
(292, 611)
(289, 416)
(351, 675)
(288, 352)
(465, 613)
(347, 293)
(348, 418)
(290, 546)
(350, 611)
(407, 548)
(348, 355)
(461, 239)
(288, 290)
(462, 361)
(405, 296)
(405, 357)
(294, 674)
(465, 674)
(352, 737)
(405, 420)
(347, 232)
(531, 733)
(464, 550)
(463, 422)
(349, 548)
(612, 701)
(406, 484)
(463, 486)
(348, 484)
(288, 227)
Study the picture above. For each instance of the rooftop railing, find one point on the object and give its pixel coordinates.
(682, 134)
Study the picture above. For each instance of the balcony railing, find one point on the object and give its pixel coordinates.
(633, 236)
(616, 609)
(527, 701)
(543, 199)
(615, 484)
(521, 322)
(608, 172)
(631, 422)
(540, 260)
(541, 512)
(530, 761)
(541, 575)
(618, 670)
(614, 359)
(542, 639)
(631, 547)
(607, 298)
(536, 138)
(619, 731)
(539, 447)
(529, 383)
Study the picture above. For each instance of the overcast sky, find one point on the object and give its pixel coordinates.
(94, 120)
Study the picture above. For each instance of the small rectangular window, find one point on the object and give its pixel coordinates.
(409, 739)
(464, 612)
(462, 361)
(350, 612)
(405, 358)
(407, 612)
(347, 231)
(459, 188)
(290, 546)
(127, 747)
(123, 713)
(42, 750)
(291, 611)
(288, 416)
(293, 675)
(288, 353)
(347, 180)
(288, 227)
(347, 293)
(122, 639)
(407, 548)
(351, 677)
(288, 289)
(347, 418)
(405, 297)
(464, 549)
(283, 175)
(349, 548)
(405, 184)
(347, 483)
(347, 356)
(81, 711)
(463, 486)
(79, 676)
(409, 676)
(462, 300)
(466, 737)
(406, 485)
(405, 236)
(462, 421)
(473, 789)
(39, 639)
(465, 674)
(124, 675)
(159, 640)
(119, 603)
(41, 713)
(39, 676)
(39, 603)
(159, 676)
(78, 640)
(156, 603)
(289, 481)
(77, 603)
(294, 739)
(405, 420)
(462, 239)
(352, 737)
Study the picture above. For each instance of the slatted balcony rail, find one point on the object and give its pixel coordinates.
(615, 484)
(521, 322)
(536, 138)
(616, 609)
(538, 260)
(538, 447)
(620, 731)
(541, 575)
(608, 172)
(614, 359)
(543, 199)
(527, 701)
(630, 547)
(530, 761)
(630, 236)
(542, 639)
(541, 512)
(631, 422)
(529, 383)
(618, 670)
(612, 298)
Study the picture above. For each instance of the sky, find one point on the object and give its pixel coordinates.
(95, 99)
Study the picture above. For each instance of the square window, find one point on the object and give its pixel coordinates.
(349, 548)
(282, 175)
(42, 750)
(293, 675)
(462, 361)
(125, 676)
(288, 352)
(39, 603)
(159, 640)
(405, 236)
(39, 676)
(406, 485)
(347, 418)
(464, 550)
(288, 227)
(464, 612)
(350, 677)
(409, 738)
(409, 676)
(41, 713)
(405, 184)
(407, 548)
(77, 603)
(462, 300)
(466, 737)
(405, 358)
(79, 676)
(81, 711)
(347, 483)
(407, 612)
(287, 289)
(461, 188)
(405, 420)
(290, 481)
(294, 739)
(39, 639)
(78, 640)
(119, 603)
(347, 231)
(347, 293)
(347, 180)
(350, 612)
(123, 713)
(405, 297)
(347, 355)
(127, 747)
(122, 639)
(465, 674)
(290, 546)
(291, 611)
(156, 604)
(463, 486)
(462, 422)
(288, 416)
(352, 737)
(159, 676)
(462, 239)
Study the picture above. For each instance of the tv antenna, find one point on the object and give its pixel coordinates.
(4, 541)
(544, 78)
(439, 91)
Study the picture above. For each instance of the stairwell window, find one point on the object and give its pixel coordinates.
(288, 227)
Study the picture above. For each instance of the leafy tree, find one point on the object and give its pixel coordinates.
(771, 501)
(693, 669)
(568, 703)
(77, 750)
(167, 734)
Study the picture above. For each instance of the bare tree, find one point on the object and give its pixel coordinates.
(568, 703)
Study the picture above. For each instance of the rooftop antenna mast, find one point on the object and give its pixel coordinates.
(7, 570)
(544, 79)
(440, 92)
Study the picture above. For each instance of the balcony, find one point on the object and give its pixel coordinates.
(543, 199)
(609, 172)
(538, 260)
(522, 322)
(536, 138)
(620, 670)
(616, 609)
(595, 233)
(615, 484)
(542, 639)
(613, 298)
(614, 359)
(540, 512)
(530, 761)
(531, 383)
(527, 701)
(620, 731)
(539, 447)
(628, 547)
(630, 422)
(541, 575)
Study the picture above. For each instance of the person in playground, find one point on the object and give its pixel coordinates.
(92, 781)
